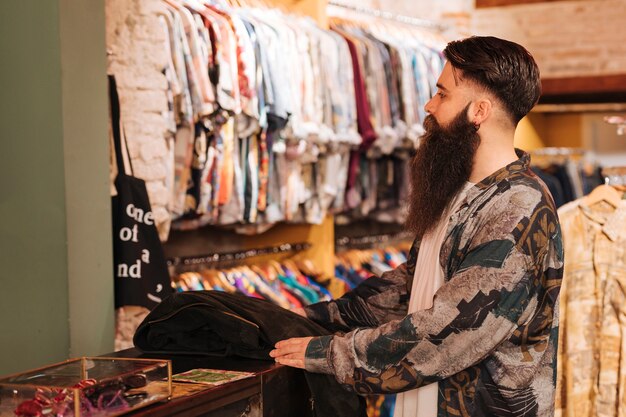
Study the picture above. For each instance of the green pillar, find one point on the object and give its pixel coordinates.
(56, 289)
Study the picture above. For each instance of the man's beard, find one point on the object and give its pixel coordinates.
(441, 167)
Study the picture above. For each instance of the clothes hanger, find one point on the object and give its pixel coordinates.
(265, 273)
(225, 279)
(353, 259)
(184, 277)
(195, 4)
(208, 279)
(196, 281)
(308, 268)
(180, 283)
(276, 266)
(604, 192)
(612, 191)
(291, 265)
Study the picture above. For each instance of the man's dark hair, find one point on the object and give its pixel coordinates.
(504, 68)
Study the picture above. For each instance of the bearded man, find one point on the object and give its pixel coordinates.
(468, 325)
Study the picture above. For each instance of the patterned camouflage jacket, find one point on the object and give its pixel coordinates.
(490, 339)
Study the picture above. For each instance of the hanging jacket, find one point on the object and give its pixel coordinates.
(220, 324)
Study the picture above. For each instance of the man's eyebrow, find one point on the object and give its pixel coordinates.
(441, 87)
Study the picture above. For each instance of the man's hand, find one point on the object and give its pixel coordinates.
(291, 352)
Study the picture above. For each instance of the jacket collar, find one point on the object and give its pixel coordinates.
(520, 165)
(612, 223)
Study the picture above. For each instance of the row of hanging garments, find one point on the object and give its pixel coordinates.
(273, 75)
(275, 119)
(293, 282)
(353, 266)
(390, 108)
(569, 173)
(591, 370)
(288, 283)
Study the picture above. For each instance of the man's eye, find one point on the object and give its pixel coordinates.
(442, 95)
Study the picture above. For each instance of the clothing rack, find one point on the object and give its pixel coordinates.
(218, 258)
(556, 151)
(349, 242)
(429, 24)
(619, 121)
(615, 175)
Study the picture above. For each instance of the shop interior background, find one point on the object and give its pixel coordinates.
(57, 298)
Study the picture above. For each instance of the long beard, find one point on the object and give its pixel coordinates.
(441, 167)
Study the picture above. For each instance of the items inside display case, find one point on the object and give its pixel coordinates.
(94, 387)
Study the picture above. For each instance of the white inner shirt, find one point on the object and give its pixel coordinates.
(429, 276)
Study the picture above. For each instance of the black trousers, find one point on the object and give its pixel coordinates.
(220, 324)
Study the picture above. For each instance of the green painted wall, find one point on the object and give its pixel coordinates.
(55, 250)
(88, 204)
(33, 256)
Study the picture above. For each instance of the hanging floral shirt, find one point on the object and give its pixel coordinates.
(592, 346)
(490, 339)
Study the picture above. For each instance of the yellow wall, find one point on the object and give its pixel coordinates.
(564, 130)
(321, 237)
(539, 130)
(313, 8)
(531, 132)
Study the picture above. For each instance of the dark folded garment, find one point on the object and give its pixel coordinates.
(221, 324)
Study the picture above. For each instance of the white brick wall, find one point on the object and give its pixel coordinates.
(567, 38)
(137, 57)
(456, 14)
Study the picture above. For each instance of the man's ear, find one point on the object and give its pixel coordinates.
(480, 111)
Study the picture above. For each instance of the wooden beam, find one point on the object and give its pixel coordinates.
(606, 107)
(499, 3)
(584, 85)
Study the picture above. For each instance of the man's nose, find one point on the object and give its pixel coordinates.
(428, 106)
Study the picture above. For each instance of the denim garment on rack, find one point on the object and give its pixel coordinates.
(322, 292)
(553, 184)
(566, 183)
(357, 276)
(221, 324)
(592, 180)
(342, 273)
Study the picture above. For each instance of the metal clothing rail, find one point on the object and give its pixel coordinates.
(215, 258)
(369, 240)
(615, 175)
(619, 121)
(392, 16)
(557, 151)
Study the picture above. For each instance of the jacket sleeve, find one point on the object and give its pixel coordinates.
(495, 289)
(376, 301)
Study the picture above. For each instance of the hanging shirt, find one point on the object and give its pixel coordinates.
(323, 85)
(182, 97)
(185, 34)
(228, 168)
(363, 110)
(199, 60)
(228, 95)
(233, 210)
(592, 344)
